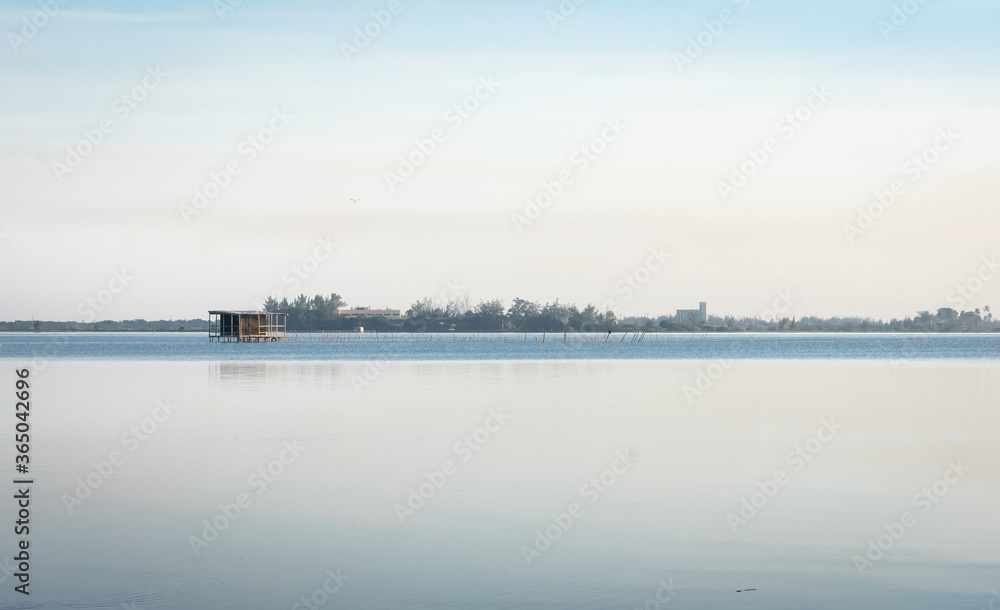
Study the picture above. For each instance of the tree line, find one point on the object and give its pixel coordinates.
(945, 319)
(320, 314)
(492, 316)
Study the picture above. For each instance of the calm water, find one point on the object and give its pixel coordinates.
(188, 346)
(690, 440)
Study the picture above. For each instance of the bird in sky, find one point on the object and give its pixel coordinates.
(354, 199)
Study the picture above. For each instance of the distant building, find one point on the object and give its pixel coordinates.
(246, 326)
(368, 312)
(693, 316)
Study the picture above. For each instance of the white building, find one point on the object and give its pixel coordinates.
(693, 316)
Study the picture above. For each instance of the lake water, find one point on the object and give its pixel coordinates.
(510, 475)
(459, 346)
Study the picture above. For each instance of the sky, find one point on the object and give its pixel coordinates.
(161, 159)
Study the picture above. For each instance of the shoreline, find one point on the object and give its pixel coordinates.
(518, 332)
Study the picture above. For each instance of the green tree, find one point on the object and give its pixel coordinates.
(489, 315)
(423, 308)
(947, 313)
(924, 319)
(971, 320)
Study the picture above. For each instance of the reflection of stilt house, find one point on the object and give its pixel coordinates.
(246, 326)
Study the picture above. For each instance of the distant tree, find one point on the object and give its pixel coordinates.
(924, 320)
(424, 315)
(946, 314)
(946, 319)
(489, 315)
(558, 311)
(335, 302)
(609, 319)
(970, 320)
(457, 308)
(521, 309)
(587, 320)
(422, 309)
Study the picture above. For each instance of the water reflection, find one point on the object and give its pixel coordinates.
(366, 448)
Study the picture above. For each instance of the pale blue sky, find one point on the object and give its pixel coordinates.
(655, 186)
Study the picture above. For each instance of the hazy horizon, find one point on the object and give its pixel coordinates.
(780, 307)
